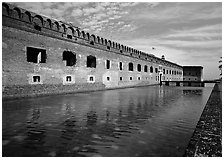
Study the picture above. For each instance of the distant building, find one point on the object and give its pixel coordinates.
(192, 73)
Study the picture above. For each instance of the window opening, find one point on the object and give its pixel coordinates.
(130, 66)
(108, 78)
(139, 68)
(107, 64)
(68, 78)
(69, 58)
(91, 78)
(145, 68)
(91, 61)
(36, 78)
(151, 69)
(120, 65)
(130, 78)
(121, 78)
(36, 55)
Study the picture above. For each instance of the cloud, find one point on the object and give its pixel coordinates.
(77, 12)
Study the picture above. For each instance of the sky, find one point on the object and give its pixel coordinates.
(186, 33)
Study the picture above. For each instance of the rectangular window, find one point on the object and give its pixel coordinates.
(36, 55)
(107, 64)
(91, 61)
(120, 66)
(68, 78)
(139, 78)
(91, 78)
(108, 78)
(121, 78)
(69, 58)
(36, 79)
(131, 78)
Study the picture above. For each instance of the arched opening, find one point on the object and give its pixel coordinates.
(145, 68)
(48, 24)
(5, 9)
(151, 69)
(78, 32)
(156, 70)
(27, 17)
(87, 36)
(93, 38)
(70, 32)
(130, 66)
(69, 58)
(63, 28)
(91, 61)
(56, 26)
(98, 39)
(83, 34)
(139, 68)
(38, 22)
(16, 13)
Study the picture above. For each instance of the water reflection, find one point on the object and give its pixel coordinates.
(147, 121)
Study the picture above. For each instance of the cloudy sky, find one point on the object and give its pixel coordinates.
(186, 33)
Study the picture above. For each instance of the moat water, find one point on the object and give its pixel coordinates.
(143, 121)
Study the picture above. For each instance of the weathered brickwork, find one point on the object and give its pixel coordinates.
(49, 74)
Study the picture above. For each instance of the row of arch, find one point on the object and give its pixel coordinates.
(139, 69)
(39, 22)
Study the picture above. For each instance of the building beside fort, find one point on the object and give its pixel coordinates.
(43, 56)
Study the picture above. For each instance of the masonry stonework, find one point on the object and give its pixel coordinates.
(46, 71)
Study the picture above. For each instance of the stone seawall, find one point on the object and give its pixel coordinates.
(207, 137)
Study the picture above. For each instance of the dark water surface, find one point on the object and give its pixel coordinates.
(144, 121)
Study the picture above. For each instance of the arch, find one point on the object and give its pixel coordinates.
(5, 9)
(87, 36)
(48, 24)
(139, 68)
(16, 13)
(56, 26)
(27, 17)
(145, 68)
(63, 28)
(109, 43)
(70, 31)
(156, 70)
(78, 33)
(116, 46)
(102, 41)
(83, 35)
(122, 47)
(98, 39)
(93, 38)
(113, 45)
(119, 46)
(151, 69)
(38, 20)
(105, 42)
(130, 66)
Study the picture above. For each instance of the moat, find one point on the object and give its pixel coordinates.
(143, 121)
